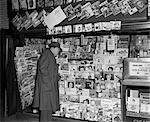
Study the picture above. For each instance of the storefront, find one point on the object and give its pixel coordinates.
(96, 37)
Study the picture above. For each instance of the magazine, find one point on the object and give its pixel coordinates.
(15, 4)
(70, 13)
(31, 4)
(23, 4)
(40, 3)
(86, 11)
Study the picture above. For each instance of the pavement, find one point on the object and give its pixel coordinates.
(30, 117)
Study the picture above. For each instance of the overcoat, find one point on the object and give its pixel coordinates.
(46, 95)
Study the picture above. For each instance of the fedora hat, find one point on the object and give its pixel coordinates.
(55, 44)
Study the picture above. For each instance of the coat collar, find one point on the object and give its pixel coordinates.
(51, 54)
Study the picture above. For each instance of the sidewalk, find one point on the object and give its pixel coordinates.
(29, 117)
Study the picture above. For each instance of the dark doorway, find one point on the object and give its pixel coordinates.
(2, 75)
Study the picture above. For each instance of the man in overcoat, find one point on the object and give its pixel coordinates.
(46, 96)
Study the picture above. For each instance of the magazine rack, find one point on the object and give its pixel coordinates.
(127, 20)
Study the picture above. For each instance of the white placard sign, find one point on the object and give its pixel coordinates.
(55, 17)
(139, 69)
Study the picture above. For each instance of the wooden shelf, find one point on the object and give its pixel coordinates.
(136, 82)
(131, 114)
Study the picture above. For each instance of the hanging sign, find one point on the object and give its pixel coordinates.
(55, 17)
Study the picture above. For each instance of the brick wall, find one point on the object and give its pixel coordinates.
(4, 23)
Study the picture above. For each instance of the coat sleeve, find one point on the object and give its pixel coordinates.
(43, 66)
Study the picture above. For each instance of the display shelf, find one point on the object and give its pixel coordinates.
(39, 33)
(138, 28)
(131, 114)
(80, 59)
(136, 82)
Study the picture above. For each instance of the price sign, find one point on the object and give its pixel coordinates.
(139, 69)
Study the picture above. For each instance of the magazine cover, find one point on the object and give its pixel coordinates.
(84, 41)
(58, 30)
(64, 55)
(23, 4)
(67, 29)
(31, 4)
(71, 91)
(96, 8)
(140, 5)
(78, 28)
(61, 87)
(71, 83)
(86, 11)
(76, 41)
(101, 5)
(72, 110)
(104, 9)
(116, 114)
(66, 42)
(115, 25)
(64, 67)
(133, 105)
(132, 8)
(72, 48)
(111, 45)
(123, 41)
(114, 7)
(17, 21)
(26, 22)
(124, 6)
(40, 19)
(58, 2)
(15, 4)
(40, 3)
(106, 25)
(68, 1)
(97, 26)
(78, 10)
(70, 13)
(31, 18)
(107, 114)
(49, 3)
(88, 27)
(144, 104)
(73, 98)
